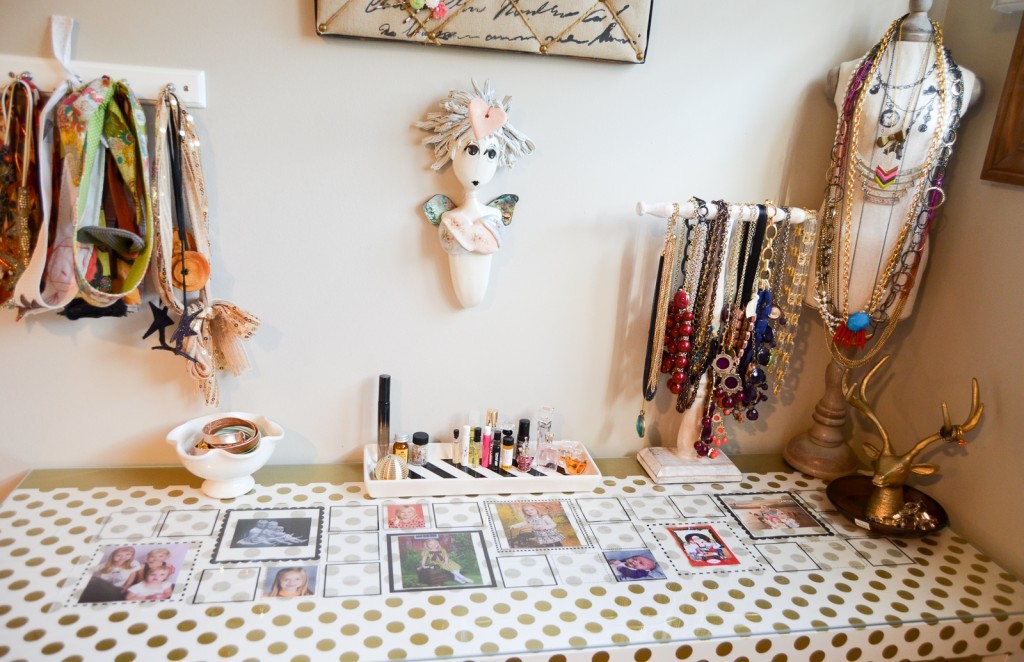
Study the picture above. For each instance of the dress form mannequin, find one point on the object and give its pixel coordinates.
(899, 97)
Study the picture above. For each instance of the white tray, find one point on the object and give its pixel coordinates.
(441, 478)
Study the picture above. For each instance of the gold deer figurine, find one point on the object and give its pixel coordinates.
(891, 470)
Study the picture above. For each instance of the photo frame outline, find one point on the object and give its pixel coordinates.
(618, 500)
(202, 578)
(481, 554)
(380, 578)
(183, 575)
(331, 515)
(99, 536)
(780, 571)
(909, 559)
(568, 506)
(722, 513)
(667, 498)
(791, 533)
(438, 525)
(547, 560)
(163, 522)
(316, 529)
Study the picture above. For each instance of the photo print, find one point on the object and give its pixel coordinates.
(634, 565)
(535, 525)
(702, 546)
(290, 581)
(134, 573)
(270, 534)
(432, 561)
(772, 515)
(406, 516)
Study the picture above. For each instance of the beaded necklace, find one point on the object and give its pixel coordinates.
(704, 303)
(846, 329)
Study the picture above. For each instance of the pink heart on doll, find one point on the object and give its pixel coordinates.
(484, 119)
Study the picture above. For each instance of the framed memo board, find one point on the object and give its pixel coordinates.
(1004, 161)
(614, 30)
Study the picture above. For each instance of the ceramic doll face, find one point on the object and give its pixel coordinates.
(474, 162)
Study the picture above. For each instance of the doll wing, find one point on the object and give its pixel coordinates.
(506, 204)
(436, 206)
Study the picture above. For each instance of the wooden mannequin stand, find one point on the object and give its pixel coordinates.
(822, 451)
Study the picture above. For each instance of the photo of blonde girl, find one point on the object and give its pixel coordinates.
(534, 524)
(120, 568)
(406, 516)
(291, 582)
(154, 585)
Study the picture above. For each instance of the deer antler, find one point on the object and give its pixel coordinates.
(858, 398)
(950, 432)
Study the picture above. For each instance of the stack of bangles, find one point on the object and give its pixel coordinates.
(234, 435)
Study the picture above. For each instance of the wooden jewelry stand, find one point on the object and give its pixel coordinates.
(681, 464)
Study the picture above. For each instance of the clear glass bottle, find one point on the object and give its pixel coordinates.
(418, 452)
(401, 446)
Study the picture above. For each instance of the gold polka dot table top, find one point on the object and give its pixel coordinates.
(764, 569)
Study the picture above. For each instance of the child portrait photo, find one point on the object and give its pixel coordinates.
(702, 546)
(535, 525)
(434, 561)
(290, 581)
(406, 516)
(634, 565)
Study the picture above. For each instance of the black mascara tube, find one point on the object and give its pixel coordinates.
(383, 415)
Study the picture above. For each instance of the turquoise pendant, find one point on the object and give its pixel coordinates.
(858, 321)
(641, 425)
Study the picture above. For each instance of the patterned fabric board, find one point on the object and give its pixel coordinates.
(627, 568)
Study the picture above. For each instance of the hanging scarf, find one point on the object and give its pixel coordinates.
(219, 326)
(19, 183)
(105, 118)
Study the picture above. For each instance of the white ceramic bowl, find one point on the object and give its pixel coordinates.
(227, 475)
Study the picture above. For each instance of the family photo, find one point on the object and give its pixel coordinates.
(702, 546)
(135, 572)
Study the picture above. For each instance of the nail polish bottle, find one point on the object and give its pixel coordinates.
(485, 448)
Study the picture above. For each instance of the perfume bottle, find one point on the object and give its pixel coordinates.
(546, 454)
(418, 451)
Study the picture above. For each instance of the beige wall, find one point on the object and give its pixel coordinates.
(316, 175)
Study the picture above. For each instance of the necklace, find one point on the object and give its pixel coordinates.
(852, 329)
(659, 314)
(704, 302)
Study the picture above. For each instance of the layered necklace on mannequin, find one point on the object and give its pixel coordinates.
(928, 112)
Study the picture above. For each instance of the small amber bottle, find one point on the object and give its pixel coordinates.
(401, 446)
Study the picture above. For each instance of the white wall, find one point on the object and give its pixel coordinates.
(316, 175)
